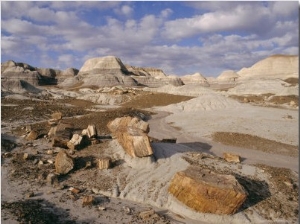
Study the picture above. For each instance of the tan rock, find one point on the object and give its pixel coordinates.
(229, 157)
(104, 163)
(146, 214)
(52, 179)
(63, 163)
(61, 134)
(56, 116)
(75, 142)
(207, 192)
(33, 135)
(90, 131)
(131, 134)
(125, 122)
(88, 201)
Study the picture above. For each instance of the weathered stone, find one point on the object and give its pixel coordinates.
(33, 135)
(27, 156)
(88, 201)
(229, 157)
(207, 192)
(61, 134)
(90, 131)
(104, 163)
(115, 191)
(131, 134)
(75, 142)
(30, 194)
(169, 140)
(146, 214)
(74, 190)
(128, 122)
(56, 116)
(52, 179)
(63, 163)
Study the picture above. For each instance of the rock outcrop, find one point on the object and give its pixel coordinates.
(22, 77)
(276, 66)
(131, 133)
(207, 192)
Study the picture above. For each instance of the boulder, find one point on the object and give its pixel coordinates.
(207, 192)
(61, 134)
(131, 133)
(232, 158)
(63, 163)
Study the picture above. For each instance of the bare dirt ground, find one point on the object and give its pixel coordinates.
(28, 198)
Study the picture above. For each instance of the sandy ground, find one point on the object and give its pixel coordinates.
(270, 176)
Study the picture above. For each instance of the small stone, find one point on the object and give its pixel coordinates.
(52, 179)
(50, 161)
(115, 191)
(88, 201)
(56, 116)
(30, 194)
(127, 210)
(95, 190)
(35, 161)
(104, 163)
(246, 100)
(101, 208)
(26, 156)
(28, 128)
(49, 152)
(74, 190)
(33, 135)
(229, 157)
(40, 162)
(146, 214)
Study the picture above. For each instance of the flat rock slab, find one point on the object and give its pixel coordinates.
(207, 192)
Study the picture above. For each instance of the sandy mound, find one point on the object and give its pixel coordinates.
(196, 78)
(228, 75)
(205, 102)
(259, 87)
(276, 66)
(185, 90)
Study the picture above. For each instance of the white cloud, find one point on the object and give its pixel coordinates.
(230, 35)
(166, 12)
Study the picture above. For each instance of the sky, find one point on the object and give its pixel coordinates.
(179, 37)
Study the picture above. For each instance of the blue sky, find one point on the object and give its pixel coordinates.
(179, 37)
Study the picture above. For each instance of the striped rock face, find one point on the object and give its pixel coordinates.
(207, 192)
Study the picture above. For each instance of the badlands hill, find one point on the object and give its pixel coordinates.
(22, 77)
(196, 78)
(276, 66)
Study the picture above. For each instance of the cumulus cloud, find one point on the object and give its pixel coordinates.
(211, 37)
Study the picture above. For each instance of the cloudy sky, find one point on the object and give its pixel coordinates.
(179, 37)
